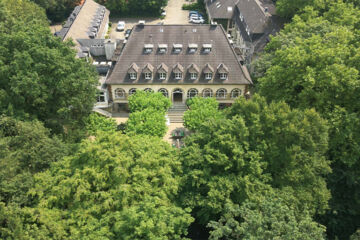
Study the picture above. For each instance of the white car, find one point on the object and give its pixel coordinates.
(197, 21)
(163, 13)
(120, 26)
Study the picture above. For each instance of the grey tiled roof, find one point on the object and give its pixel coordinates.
(218, 9)
(221, 52)
(254, 15)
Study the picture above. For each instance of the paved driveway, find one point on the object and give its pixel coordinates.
(174, 15)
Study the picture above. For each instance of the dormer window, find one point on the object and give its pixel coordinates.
(162, 76)
(193, 76)
(177, 48)
(207, 48)
(148, 76)
(208, 76)
(162, 48)
(178, 76)
(148, 48)
(193, 48)
(223, 76)
(132, 76)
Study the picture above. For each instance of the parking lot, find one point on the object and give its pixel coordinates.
(174, 15)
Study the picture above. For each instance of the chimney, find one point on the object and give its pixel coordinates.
(109, 49)
(266, 9)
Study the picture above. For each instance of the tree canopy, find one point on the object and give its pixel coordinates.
(40, 78)
(114, 187)
(142, 100)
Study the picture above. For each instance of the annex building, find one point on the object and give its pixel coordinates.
(181, 62)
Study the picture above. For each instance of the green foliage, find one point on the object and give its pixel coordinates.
(200, 111)
(134, 7)
(116, 187)
(57, 10)
(26, 148)
(142, 100)
(95, 123)
(39, 75)
(22, 11)
(315, 63)
(149, 122)
(267, 218)
(228, 160)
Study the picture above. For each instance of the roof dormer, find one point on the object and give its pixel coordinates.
(162, 48)
(222, 68)
(207, 48)
(162, 68)
(148, 71)
(208, 69)
(177, 48)
(178, 71)
(148, 48)
(193, 48)
(193, 68)
(133, 71)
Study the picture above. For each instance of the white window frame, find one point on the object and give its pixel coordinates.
(207, 90)
(192, 91)
(147, 76)
(178, 76)
(221, 93)
(101, 95)
(223, 76)
(119, 90)
(235, 90)
(132, 76)
(193, 76)
(208, 76)
(162, 76)
(164, 92)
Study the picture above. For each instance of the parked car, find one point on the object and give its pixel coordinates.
(195, 17)
(197, 21)
(120, 26)
(163, 13)
(127, 33)
(193, 12)
(196, 14)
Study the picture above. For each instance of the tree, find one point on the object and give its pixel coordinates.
(142, 100)
(315, 64)
(26, 148)
(40, 76)
(57, 10)
(269, 217)
(149, 122)
(256, 145)
(95, 123)
(114, 187)
(200, 111)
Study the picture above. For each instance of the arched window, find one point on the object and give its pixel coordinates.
(221, 93)
(132, 91)
(164, 92)
(235, 93)
(148, 90)
(192, 93)
(207, 93)
(119, 93)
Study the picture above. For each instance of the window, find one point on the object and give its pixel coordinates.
(132, 76)
(193, 76)
(177, 50)
(192, 93)
(223, 76)
(178, 76)
(235, 93)
(162, 76)
(148, 90)
(208, 76)
(207, 50)
(207, 93)
(192, 50)
(147, 76)
(148, 50)
(119, 93)
(221, 93)
(164, 92)
(101, 97)
(132, 91)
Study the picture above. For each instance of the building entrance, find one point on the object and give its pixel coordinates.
(177, 96)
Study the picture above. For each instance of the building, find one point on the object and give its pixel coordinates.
(248, 22)
(87, 21)
(180, 61)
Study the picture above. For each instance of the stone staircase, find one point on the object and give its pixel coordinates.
(176, 113)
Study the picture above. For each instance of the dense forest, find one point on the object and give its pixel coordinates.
(284, 164)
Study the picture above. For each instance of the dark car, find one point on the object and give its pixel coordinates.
(127, 33)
